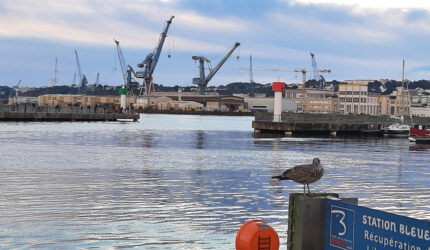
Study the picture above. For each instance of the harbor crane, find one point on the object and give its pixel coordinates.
(150, 62)
(251, 76)
(82, 78)
(317, 76)
(126, 69)
(203, 80)
(121, 62)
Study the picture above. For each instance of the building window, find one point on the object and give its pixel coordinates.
(348, 99)
(356, 99)
(349, 92)
(356, 92)
(363, 93)
(341, 106)
(348, 108)
(341, 99)
(363, 99)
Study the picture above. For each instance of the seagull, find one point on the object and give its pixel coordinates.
(304, 174)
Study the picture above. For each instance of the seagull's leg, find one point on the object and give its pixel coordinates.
(304, 190)
(309, 191)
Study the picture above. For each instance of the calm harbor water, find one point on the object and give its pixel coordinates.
(182, 182)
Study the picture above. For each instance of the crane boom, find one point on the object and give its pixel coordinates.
(151, 59)
(157, 50)
(213, 72)
(318, 77)
(122, 63)
(82, 78)
(314, 66)
(203, 81)
(78, 65)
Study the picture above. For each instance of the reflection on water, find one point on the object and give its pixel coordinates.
(182, 181)
(419, 147)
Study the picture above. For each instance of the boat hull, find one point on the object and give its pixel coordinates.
(419, 136)
(395, 133)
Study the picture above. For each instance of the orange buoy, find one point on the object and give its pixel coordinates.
(256, 235)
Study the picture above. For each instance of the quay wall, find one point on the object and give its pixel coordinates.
(44, 116)
(339, 119)
(23, 113)
(305, 123)
(194, 112)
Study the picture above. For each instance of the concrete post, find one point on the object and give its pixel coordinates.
(278, 88)
(306, 218)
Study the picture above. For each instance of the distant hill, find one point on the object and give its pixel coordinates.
(385, 88)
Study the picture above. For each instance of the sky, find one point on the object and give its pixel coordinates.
(355, 39)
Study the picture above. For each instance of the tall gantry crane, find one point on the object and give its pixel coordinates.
(203, 80)
(122, 63)
(150, 62)
(82, 78)
(317, 76)
(126, 70)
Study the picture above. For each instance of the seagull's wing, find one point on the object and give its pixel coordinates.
(300, 173)
(287, 173)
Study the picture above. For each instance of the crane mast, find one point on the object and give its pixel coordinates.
(251, 76)
(54, 80)
(151, 61)
(203, 81)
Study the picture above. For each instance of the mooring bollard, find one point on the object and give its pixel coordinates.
(306, 218)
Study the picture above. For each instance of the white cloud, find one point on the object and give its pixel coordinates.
(96, 22)
(370, 4)
(329, 31)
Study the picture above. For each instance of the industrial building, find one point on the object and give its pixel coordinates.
(52, 100)
(313, 100)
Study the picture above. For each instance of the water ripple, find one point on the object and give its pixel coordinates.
(156, 185)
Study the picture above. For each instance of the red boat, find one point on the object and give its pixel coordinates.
(419, 135)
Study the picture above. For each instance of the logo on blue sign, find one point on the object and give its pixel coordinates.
(341, 227)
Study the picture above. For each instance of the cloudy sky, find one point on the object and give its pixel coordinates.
(355, 39)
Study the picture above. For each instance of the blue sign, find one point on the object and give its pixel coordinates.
(349, 226)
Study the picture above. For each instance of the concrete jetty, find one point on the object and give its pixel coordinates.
(323, 124)
(35, 113)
